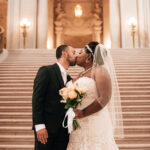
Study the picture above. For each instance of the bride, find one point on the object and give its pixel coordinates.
(99, 114)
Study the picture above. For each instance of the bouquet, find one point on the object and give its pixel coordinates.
(72, 97)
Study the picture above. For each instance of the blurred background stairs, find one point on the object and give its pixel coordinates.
(18, 71)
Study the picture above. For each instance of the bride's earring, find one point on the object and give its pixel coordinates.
(87, 60)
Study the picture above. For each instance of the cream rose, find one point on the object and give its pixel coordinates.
(65, 94)
(62, 90)
(72, 94)
(82, 90)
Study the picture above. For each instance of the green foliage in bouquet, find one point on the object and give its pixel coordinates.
(72, 97)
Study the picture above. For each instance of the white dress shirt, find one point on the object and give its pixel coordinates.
(64, 76)
(63, 72)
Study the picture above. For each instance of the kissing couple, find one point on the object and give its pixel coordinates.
(97, 114)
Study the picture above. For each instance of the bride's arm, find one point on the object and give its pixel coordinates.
(103, 83)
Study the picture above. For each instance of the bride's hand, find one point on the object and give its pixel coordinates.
(79, 113)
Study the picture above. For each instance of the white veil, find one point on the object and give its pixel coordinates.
(103, 57)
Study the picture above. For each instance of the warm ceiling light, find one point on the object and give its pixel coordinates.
(48, 44)
(132, 21)
(78, 11)
(25, 22)
(108, 44)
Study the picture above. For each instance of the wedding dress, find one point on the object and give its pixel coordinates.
(96, 131)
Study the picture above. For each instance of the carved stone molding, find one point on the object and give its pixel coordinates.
(88, 24)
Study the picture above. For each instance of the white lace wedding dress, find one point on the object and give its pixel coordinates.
(96, 130)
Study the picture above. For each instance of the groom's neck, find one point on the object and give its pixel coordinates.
(64, 63)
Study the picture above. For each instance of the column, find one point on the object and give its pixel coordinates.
(28, 9)
(97, 32)
(128, 10)
(115, 27)
(13, 24)
(144, 23)
(59, 34)
(42, 24)
(50, 35)
(106, 22)
(18, 10)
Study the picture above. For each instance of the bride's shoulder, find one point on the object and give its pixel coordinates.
(101, 73)
(100, 69)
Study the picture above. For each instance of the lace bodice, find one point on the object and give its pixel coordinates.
(96, 129)
(89, 84)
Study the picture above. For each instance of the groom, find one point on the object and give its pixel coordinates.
(47, 110)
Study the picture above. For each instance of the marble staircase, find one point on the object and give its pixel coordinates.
(17, 73)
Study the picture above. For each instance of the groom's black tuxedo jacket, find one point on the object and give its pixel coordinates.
(46, 106)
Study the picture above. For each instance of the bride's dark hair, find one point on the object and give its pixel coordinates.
(92, 46)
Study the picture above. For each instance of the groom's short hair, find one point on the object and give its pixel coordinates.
(59, 50)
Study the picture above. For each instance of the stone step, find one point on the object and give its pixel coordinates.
(10, 85)
(8, 146)
(51, 61)
(128, 122)
(22, 139)
(27, 106)
(10, 70)
(21, 65)
(28, 122)
(8, 92)
(139, 140)
(32, 76)
(117, 65)
(18, 71)
(19, 132)
(126, 89)
(135, 103)
(118, 62)
(136, 84)
(121, 85)
(134, 146)
(52, 55)
(33, 73)
(27, 115)
(29, 97)
(31, 79)
(135, 97)
(146, 92)
(25, 67)
(29, 93)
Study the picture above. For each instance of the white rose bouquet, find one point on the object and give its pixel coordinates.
(72, 96)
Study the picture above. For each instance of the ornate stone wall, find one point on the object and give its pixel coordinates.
(3, 18)
(102, 20)
(68, 27)
(77, 41)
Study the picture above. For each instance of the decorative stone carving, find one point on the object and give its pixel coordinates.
(59, 12)
(68, 24)
(60, 15)
(97, 11)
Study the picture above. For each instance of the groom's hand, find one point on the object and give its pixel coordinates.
(42, 136)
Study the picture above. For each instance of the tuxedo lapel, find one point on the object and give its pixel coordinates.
(68, 78)
(59, 76)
